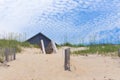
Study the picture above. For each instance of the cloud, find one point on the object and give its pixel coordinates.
(76, 19)
(15, 14)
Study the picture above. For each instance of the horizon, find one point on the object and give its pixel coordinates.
(73, 21)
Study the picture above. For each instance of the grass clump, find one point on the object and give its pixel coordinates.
(36, 46)
(103, 49)
(1, 55)
(25, 44)
(13, 44)
(72, 45)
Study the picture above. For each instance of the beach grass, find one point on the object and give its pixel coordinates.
(72, 45)
(102, 49)
(13, 44)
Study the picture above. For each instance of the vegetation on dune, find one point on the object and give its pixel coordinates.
(103, 49)
(72, 45)
(13, 44)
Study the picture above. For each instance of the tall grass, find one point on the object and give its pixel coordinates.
(103, 49)
(13, 44)
(72, 45)
(13, 40)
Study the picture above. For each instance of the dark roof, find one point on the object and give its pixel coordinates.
(38, 35)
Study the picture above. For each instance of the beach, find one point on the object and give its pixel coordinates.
(31, 64)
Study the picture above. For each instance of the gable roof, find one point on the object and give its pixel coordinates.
(39, 35)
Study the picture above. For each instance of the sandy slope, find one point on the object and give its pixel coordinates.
(34, 66)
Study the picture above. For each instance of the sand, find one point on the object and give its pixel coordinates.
(32, 65)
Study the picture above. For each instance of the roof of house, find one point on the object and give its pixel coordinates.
(39, 34)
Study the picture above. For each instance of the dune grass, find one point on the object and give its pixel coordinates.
(72, 45)
(13, 44)
(102, 49)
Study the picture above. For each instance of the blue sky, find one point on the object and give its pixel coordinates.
(74, 21)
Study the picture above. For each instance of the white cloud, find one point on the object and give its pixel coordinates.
(15, 14)
(40, 15)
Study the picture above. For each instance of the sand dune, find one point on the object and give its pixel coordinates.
(32, 65)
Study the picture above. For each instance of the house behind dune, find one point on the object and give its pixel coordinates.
(48, 43)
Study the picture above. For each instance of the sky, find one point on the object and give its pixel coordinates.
(75, 21)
